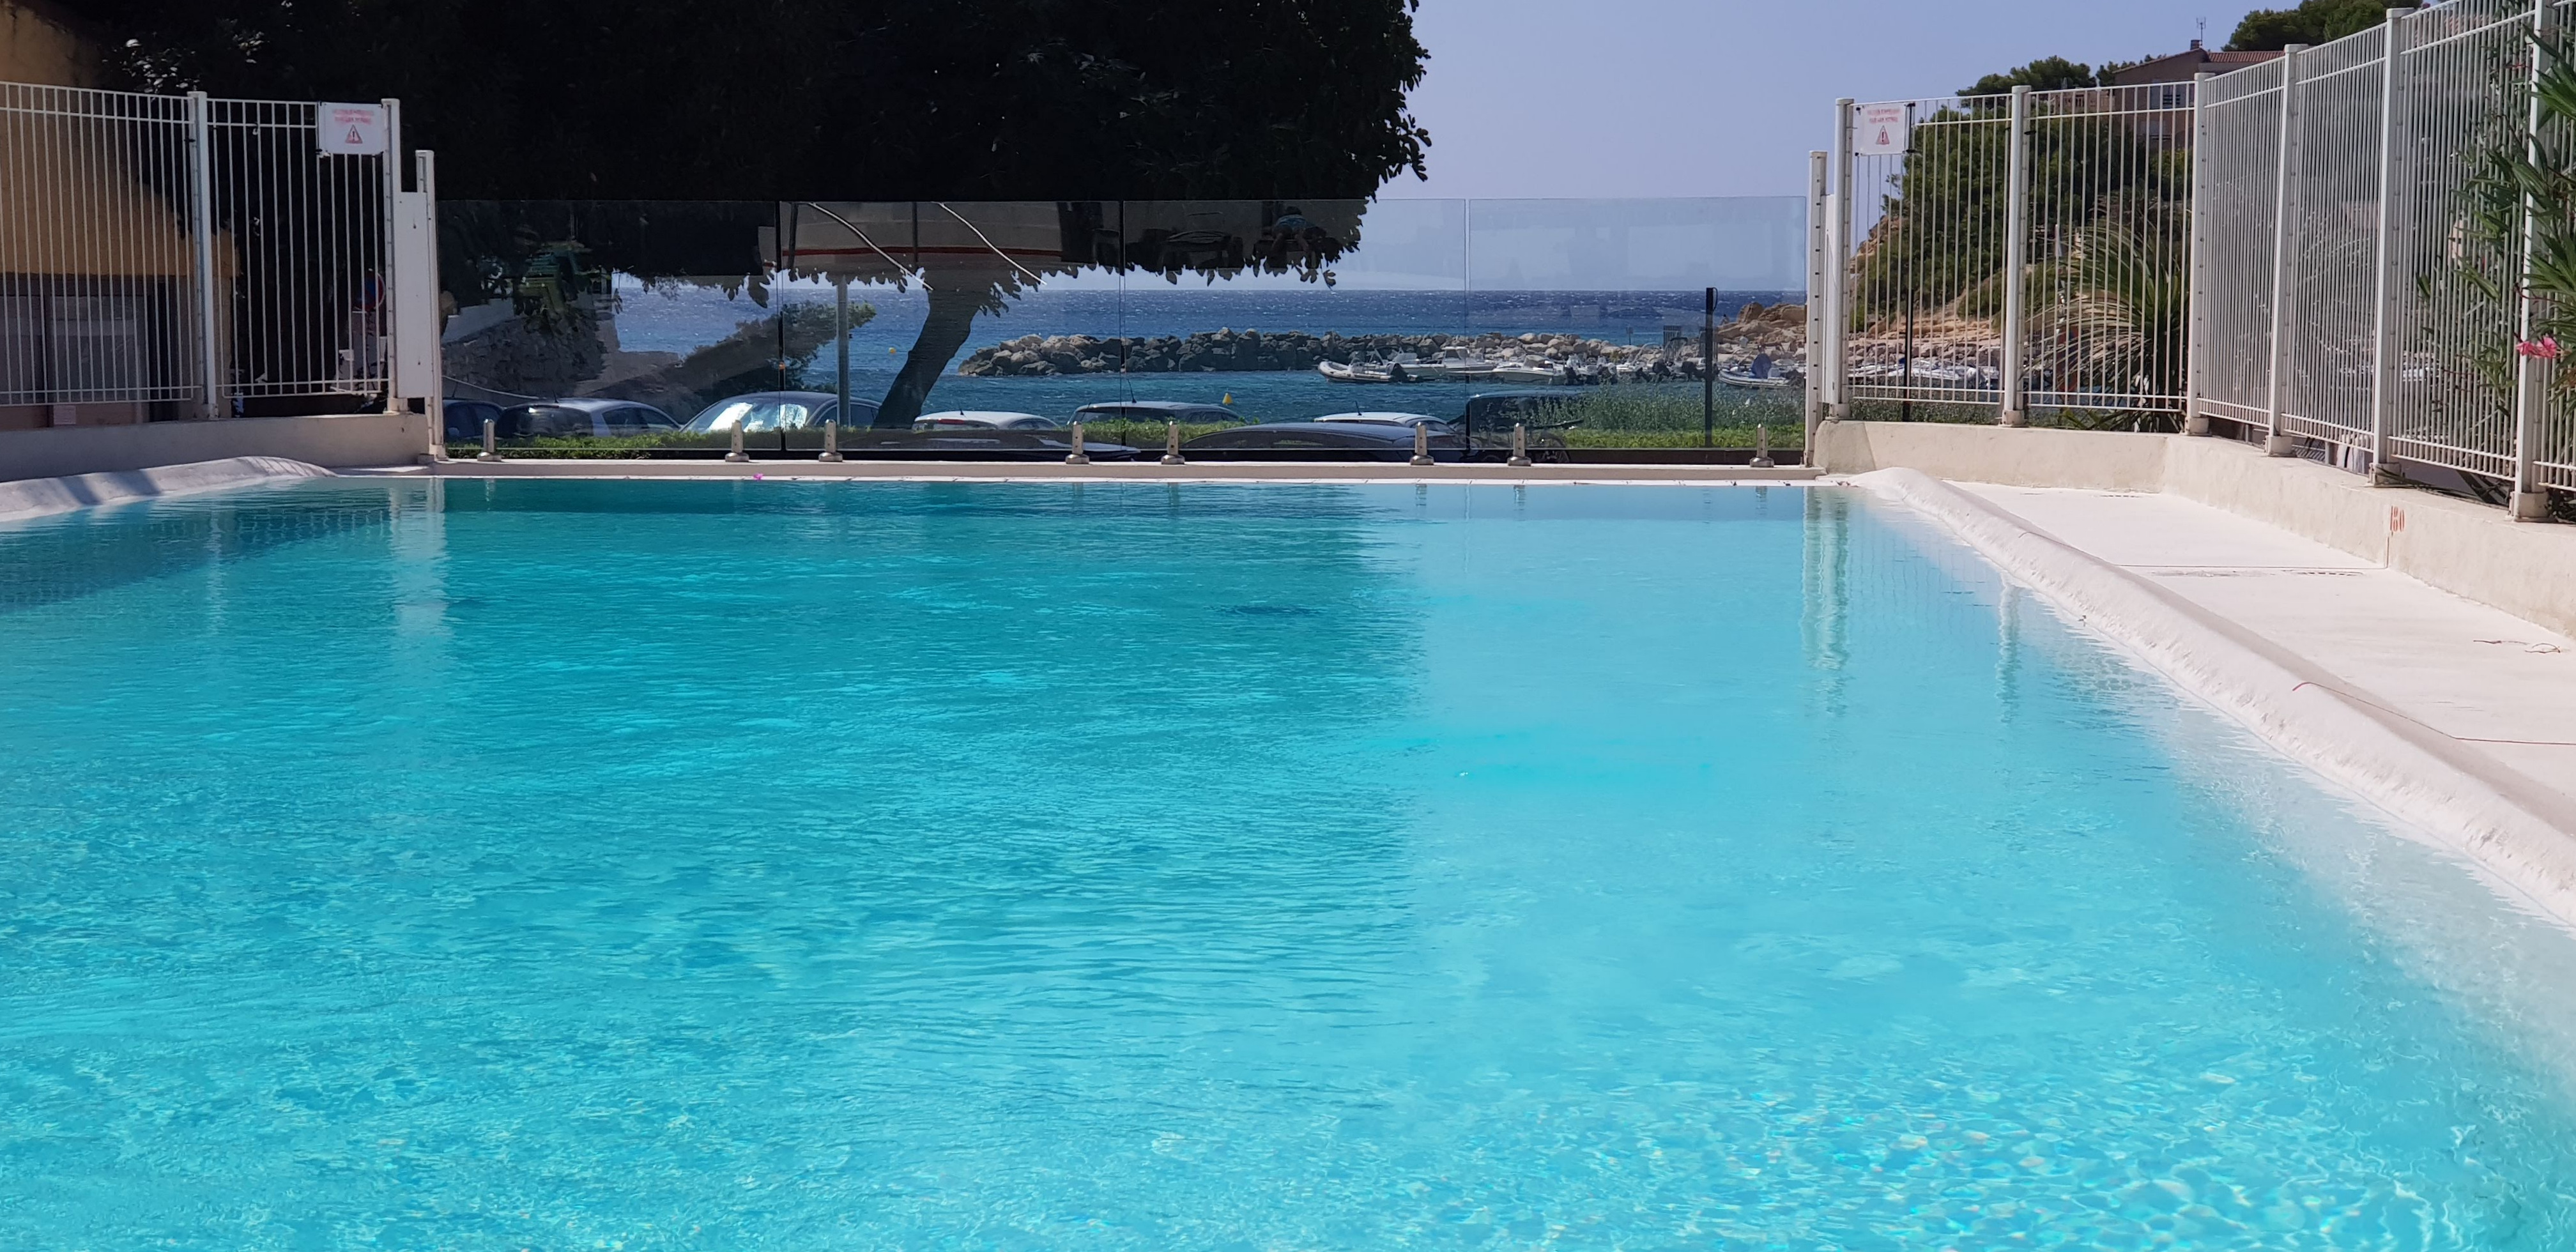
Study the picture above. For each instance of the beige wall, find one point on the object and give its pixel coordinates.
(2468, 549)
(38, 46)
(2101, 459)
(367, 439)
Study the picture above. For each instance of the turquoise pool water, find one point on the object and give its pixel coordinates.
(594, 865)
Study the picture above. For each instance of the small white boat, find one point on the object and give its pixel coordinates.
(1459, 365)
(1404, 368)
(1751, 381)
(1519, 373)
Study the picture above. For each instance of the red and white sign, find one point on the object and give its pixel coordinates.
(349, 129)
(1880, 129)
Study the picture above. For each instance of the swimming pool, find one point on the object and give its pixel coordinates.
(708, 865)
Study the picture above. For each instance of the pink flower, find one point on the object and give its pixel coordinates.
(2546, 349)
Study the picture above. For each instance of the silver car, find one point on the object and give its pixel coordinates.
(984, 419)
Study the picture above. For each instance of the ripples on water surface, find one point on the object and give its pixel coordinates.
(578, 865)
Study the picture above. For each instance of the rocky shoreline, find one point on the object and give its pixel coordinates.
(1779, 330)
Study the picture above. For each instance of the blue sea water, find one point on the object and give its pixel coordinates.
(681, 319)
(462, 865)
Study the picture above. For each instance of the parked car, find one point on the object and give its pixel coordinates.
(762, 411)
(583, 417)
(984, 419)
(1186, 412)
(1386, 419)
(974, 443)
(1499, 410)
(462, 420)
(1323, 441)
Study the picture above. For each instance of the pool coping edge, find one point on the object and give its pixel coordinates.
(29, 498)
(2521, 832)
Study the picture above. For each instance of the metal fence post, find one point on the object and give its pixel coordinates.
(2195, 420)
(391, 163)
(2531, 384)
(2387, 286)
(840, 346)
(201, 230)
(1838, 334)
(1816, 208)
(2285, 208)
(2015, 410)
(428, 323)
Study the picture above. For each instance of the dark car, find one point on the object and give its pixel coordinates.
(1322, 441)
(971, 443)
(1492, 411)
(462, 420)
(1491, 415)
(584, 417)
(762, 411)
(1186, 412)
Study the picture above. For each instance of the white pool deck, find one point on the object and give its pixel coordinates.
(2490, 681)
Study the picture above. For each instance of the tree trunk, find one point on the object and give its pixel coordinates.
(953, 306)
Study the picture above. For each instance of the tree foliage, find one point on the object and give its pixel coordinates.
(787, 99)
(2312, 22)
(2471, 281)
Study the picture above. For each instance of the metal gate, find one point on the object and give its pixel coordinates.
(195, 257)
(2013, 252)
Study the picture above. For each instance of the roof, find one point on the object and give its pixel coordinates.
(1155, 406)
(587, 404)
(2181, 66)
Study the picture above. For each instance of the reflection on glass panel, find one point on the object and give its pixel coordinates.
(1610, 300)
(670, 327)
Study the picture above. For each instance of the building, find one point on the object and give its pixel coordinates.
(40, 43)
(2182, 66)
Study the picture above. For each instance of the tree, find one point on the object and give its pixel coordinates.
(785, 99)
(2312, 22)
(2044, 74)
(788, 102)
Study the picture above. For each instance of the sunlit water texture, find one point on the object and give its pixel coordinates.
(648, 865)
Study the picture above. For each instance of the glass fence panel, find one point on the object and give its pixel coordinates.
(987, 329)
(1602, 312)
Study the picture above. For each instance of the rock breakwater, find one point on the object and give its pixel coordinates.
(1779, 331)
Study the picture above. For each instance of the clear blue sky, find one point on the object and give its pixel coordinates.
(1722, 97)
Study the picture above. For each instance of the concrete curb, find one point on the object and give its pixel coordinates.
(2520, 831)
(41, 497)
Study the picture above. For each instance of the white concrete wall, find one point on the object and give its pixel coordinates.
(2468, 549)
(333, 442)
(2101, 459)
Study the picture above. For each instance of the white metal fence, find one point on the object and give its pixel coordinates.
(2350, 290)
(2328, 251)
(201, 257)
(2011, 251)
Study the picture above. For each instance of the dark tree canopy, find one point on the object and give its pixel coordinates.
(788, 99)
(2044, 74)
(2312, 22)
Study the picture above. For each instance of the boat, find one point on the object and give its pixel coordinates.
(1363, 371)
(1460, 365)
(1754, 382)
(1520, 373)
(1404, 367)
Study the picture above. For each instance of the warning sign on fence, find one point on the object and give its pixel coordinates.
(1880, 129)
(349, 129)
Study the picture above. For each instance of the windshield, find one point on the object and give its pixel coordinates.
(753, 415)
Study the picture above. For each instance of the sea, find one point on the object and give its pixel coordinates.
(683, 317)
